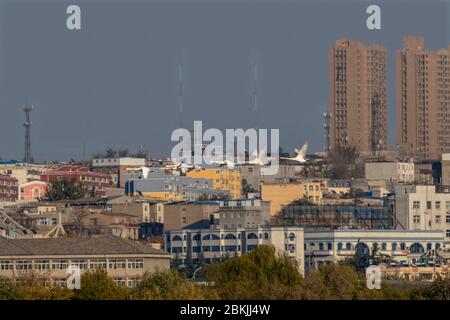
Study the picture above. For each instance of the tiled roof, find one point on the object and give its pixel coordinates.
(73, 246)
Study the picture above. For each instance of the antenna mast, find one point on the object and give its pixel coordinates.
(180, 89)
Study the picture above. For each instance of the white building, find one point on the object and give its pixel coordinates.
(214, 244)
(422, 208)
(329, 246)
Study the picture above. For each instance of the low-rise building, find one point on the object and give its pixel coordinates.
(125, 261)
(9, 190)
(94, 183)
(117, 168)
(394, 172)
(32, 191)
(423, 208)
(282, 194)
(222, 179)
(403, 247)
(117, 224)
(242, 213)
(179, 215)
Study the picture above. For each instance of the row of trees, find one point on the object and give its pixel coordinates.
(261, 274)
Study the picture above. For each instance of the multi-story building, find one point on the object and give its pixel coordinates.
(179, 215)
(94, 183)
(445, 166)
(222, 179)
(121, 225)
(252, 176)
(403, 247)
(9, 190)
(24, 172)
(394, 172)
(215, 244)
(358, 96)
(32, 191)
(125, 261)
(242, 213)
(423, 208)
(160, 186)
(117, 168)
(423, 100)
(282, 194)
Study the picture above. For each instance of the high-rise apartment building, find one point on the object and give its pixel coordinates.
(423, 100)
(357, 96)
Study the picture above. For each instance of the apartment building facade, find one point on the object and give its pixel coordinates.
(358, 96)
(282, 194)
(422, 100)
(9, 189)
(222, 179)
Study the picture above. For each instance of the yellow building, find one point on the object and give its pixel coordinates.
(163, 196)
(281, 194)
(222, 178)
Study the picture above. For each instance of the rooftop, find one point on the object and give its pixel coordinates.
(73, 246)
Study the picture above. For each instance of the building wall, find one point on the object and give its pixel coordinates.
(9, 190)
(122, 268)
(423, 104)
(445, 169)
(402, 172)
(281, 195)
(181, 215)
(32, 191)
(214, 244)
(138, 209)
(425, 209)
(222, 178)
(358, 96)
(325, 246)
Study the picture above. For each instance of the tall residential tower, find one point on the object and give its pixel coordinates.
(357, 96)
(423, 100)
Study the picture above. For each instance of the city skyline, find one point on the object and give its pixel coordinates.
(126, 73)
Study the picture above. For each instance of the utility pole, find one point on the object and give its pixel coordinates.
(28, 158)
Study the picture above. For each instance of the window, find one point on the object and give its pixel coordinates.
(447, 205)
(207, 237)
(60, 264)
(82, 264)
(329, 246)
(230, 236)
(416, 219)
(384, 246)
(42, 265)
(292, 236)
(251, 247)
(135, 263)
(394, 247)
(117, 264)
(6, 265)
(348, 246)
(252, 236)
(438, 219)
(320, 246)
(339, 246)
(197, 237)
(133, 282)
(266, 235)
(120, 281)
(447, 219)
(438, 204)
(215, 248)
(230, 248)
(402, 246)
(447, 233)
(97, 264)
(197, 249)
(215, 237)
(416, 205)
(428, 205)
(176, 238)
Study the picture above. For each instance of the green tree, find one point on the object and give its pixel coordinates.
(97, 285)
(261, 274)
(63, 190)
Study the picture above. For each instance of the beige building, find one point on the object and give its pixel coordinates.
(125, 261)
(397, 172)
(282, 194)
(423, 208)
(423, 100)
(357, 96)
(445, 169)
(184, 214)
(117, 224)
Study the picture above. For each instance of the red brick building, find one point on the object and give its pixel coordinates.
(91, 181)
(9, 189)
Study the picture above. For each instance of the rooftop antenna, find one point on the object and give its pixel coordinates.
(180, 89)
(27, 124)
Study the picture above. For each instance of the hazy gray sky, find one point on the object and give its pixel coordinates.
(114, 83)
